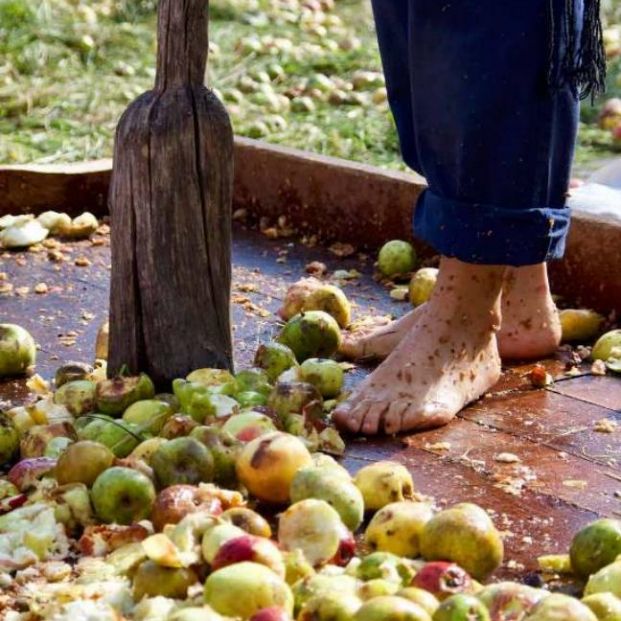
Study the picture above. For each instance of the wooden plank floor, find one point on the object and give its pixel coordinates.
(567, 474)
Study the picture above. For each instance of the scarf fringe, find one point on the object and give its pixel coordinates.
(582, 65)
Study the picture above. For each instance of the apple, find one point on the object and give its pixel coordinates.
(508, 600)
(153, 580)
(254, 380)
(396, 258)
(18, 351)
(83, 462)
(241, 590)
(56, 447)
(146, 448)
(606, 606)
(115, 395)
(596, 545)
(462, 607)
(9, 440)
(323, 373)
(397, 528)
(77, 396)
(206, 403)
(331, 485)
(215, 536)
(384, 482)
(443, 579)
(267, 465)
(249, 399)
(423, 598)
(122, 495)
(35, 440)
(607, 579)
(329, 299)
(296, 295)
(386, 565)
(579, 324)
(120, 437)
(175, 502)
(466, 535)
(224, 450)
(248, 425)
(314, 527)
(292, 397)
(71, 372)
(274, 359)
(25, 473)
(311, 334)
(376, 588)
(250, 548)
(330, 607)
(248, 520)
(422, 285)
(182, 461)
(150, 415)
(178, 426)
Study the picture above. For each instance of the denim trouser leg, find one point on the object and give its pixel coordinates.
(467, 85)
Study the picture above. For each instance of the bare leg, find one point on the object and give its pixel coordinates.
(448, 358)
(530, 324)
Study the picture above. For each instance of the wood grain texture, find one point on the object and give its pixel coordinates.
(170, 204)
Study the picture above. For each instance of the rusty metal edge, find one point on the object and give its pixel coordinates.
(332, 198)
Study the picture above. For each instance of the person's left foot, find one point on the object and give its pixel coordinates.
(448, 358)
(531, 327)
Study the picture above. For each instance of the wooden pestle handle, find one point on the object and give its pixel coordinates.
(182, 43)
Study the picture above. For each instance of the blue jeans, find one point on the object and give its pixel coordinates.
(467, 86)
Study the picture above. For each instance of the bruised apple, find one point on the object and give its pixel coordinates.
(9, 440)
(384, 482)
(442, 579)
(274, 359)
(267, 465)
(462, 607)
(391, 608)
(36, 439)
(77, 396)
(508, 600)
(292, 398)
(332, 300)
(397, 528)
(25, 473)
(314, 527)
(248, 520)
(83, 462)
(175, 502)
(216, 536)
(115, 395)
(248, 425)
(325, 374)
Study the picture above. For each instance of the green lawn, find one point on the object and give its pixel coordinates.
(308, 79)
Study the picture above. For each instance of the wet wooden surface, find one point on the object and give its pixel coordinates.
(565, 472)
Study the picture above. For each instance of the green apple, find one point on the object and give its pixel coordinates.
(182, 461)
(17, 350)
(122, 496)
(149, 414)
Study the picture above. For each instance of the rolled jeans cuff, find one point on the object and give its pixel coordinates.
(491, 235)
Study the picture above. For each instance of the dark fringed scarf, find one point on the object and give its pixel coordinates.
(582, 62)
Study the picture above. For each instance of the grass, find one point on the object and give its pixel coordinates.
(68, 68)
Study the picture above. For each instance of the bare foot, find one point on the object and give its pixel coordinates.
(448, 358)
(530, 323)
(376, 337)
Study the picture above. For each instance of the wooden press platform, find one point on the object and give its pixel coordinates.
(568, 474)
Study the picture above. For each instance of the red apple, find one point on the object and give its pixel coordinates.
(250, 548)
(443, 579)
